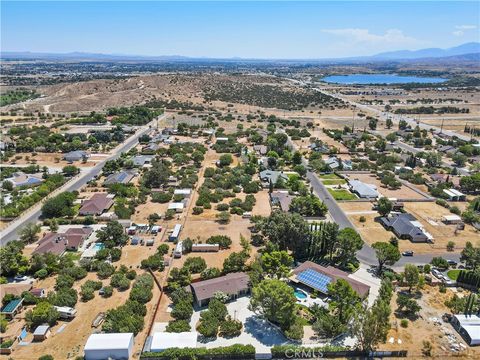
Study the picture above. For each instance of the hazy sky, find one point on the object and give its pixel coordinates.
(237, 29)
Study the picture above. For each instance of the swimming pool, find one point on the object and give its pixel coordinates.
(300, 295)
(98, 246)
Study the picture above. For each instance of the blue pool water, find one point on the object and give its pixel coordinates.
(300, 295)
(380, 79)
(99, 246)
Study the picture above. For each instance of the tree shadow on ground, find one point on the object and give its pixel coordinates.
(264, 332)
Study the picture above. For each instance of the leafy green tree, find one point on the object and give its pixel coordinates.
(275, 300)
(112, 235)
(226, 160)
(179, 278)
(208, 326)
(344, 300)
(407, 305)
(182, 310)
(177, 326)
(371, 325)
(195, 264)
(210, 273)
(384, 206)
(347, 244)
(411, 276)
(29, 233)
(328, 325)
(235, 262)
(42, 313)
(230, 328)
(277, 263)
(387, 254)
(59, 206)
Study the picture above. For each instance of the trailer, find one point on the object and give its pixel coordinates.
(66, 312)
(175, 233)
(178, 250)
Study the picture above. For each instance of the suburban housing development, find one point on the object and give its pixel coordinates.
(239, 208)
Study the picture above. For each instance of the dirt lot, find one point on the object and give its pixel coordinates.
(429, 214)
(53, 160)
(402, 193)
(66, 342)
(426, 328)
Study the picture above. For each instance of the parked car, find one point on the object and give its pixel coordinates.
(19, 278)
(407, 253)
(437, 274)
(452, 263)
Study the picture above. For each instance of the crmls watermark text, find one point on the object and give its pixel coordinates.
(303, 354)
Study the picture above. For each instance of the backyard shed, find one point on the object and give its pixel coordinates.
(41, 332)
(118, 346)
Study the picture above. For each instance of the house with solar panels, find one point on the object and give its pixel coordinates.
(121, 177)
(318, 277)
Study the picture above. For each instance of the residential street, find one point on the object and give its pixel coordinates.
(33, 214)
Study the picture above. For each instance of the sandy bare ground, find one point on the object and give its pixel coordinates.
(432, 306)
(429, 214)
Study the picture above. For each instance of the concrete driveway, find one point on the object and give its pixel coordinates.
(256, 331)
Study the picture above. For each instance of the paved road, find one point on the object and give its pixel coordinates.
(366, 255)
(33, 214)
(383, 115)
(414, 150)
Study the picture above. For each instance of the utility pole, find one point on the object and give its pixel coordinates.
(353, 118)
(441, 126)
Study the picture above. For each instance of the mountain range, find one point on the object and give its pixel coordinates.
(468, 50)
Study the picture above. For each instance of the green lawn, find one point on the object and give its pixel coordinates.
(453, 274)
(342, 194)
(331, 176)
(334, 182)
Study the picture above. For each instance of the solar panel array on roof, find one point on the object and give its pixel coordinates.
(315, 280)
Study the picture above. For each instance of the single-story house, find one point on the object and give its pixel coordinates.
(58, 243)
(185, 193)
(454, 195)
(281, 200)
(468, 326)
(451, 219)
(232, 284)
(205, 247)
(271, 176)
(142, 160)
(177, 206)
(116, 346)
(12, 308)
(260, 149)
(335, 163)
(447, 149)
(97, 204)
(121, 177)
(363, 190)
(321, 148)
(21, 179)
(406, 226)
(161, 341)
(15, 289)
(318, 277)
(41, 333)
(76, 156)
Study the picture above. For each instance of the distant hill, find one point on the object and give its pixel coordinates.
(468, 48)
(466, 52)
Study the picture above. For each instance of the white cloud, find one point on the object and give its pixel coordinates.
(462, 28)
(466, 27)
(390, 37)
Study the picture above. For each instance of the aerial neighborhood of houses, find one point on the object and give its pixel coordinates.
(148, 232)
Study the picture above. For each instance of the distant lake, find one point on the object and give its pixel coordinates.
(365, 79)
